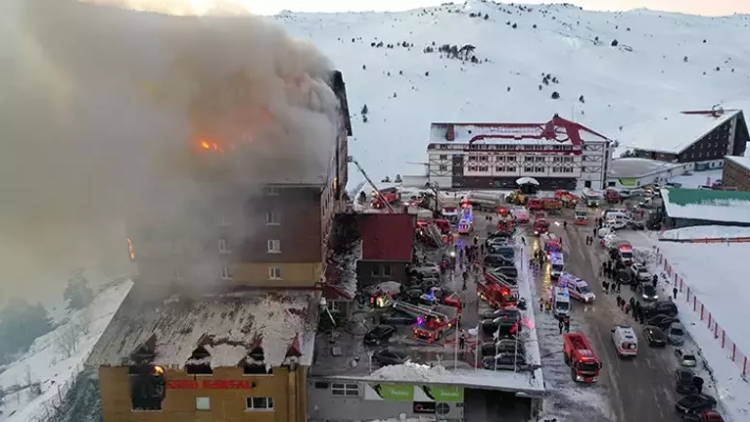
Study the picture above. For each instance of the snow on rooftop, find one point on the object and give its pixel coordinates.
(706, 204)
(438, 374)
(229, 327)
(697, 179)
(705, 232)
(671, 133)
(638, 167)
(742, 161)
(511, 133)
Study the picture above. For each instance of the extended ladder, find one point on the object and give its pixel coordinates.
(417, 310)
(499, 278)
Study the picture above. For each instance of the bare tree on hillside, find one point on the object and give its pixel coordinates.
(67, 339)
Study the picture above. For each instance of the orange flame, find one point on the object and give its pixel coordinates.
(131, 250)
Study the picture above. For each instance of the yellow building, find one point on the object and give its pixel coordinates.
(226, 359)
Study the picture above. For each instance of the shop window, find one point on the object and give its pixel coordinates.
(202, 403)
(147, 387)
(322, 385)
(381, 270)
(343, 389)
(259, 403)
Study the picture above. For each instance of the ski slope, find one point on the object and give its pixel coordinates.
(405, 89)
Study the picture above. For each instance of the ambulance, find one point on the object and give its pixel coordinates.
(577, 288)
(556, 264)
(560, 302)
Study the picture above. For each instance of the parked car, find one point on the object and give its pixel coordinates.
(397, 318)
(648, 292)
(507, 347)
(425, 270)
(662, 321)
(510, 271)
(684, 383)
(390, 357)
(493, 260)
(379, 335)
(676, 334)
(694, 404)
(624, 276)
(655, 336)
(635, 225)
(686, 358)
(504, 326)
(504, 362)
(640, 273)
(704, 416)
(505, 313)
(664, 307)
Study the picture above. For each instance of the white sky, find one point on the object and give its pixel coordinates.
(700, 7)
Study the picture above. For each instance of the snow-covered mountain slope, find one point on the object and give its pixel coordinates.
(35, 384)
(663, 63)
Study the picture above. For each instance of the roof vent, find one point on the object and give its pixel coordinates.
(450, 133)
(717, 110)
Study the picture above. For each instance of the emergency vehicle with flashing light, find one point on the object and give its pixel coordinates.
(557, 265)
(560, 302)
(433, 326)
(550, 243)
(577, 288)
(584, 365)
(541, 226)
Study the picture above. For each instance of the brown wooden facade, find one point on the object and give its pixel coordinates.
(285, 386)
(735, 175)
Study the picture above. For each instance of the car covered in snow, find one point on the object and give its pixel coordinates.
(686, 358)
(676, 334)
(662, 321)
(506, 362)
(640, 273)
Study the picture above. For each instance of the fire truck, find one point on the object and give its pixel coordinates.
(535, 204)
(433, 324)
(581, 216)
(568, 199)
(584, 365)
(550, 243)
(541, 226)
(497, 291)
(380, 197)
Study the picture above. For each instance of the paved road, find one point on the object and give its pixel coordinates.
(639, 390)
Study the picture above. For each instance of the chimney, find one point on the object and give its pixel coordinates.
(450, 133)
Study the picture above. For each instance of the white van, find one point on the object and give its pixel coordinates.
(617, 220)
(625, 341)
(560, 302)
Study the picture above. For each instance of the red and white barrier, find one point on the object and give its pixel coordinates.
(732, 351)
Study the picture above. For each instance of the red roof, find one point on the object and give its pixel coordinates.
(387, 237)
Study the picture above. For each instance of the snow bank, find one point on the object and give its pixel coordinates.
(706, 232)
(410, 371)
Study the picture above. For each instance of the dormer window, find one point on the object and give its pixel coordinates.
(199, 362)
(254, 363)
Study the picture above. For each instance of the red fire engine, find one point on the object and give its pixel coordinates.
(433, 324)
(492, 291)
(541, 225)
(535, 204)
(389, 195)
(584, 365)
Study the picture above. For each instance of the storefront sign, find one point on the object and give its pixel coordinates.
(389, 392)
(628, 181)
(424, 407)
(444, 393)
(210, 385)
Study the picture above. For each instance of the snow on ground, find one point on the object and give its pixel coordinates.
(566, 399)
(405, 88)
(724, 375)
(697, 179)
(55, 359)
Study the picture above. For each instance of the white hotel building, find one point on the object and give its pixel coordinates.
(560, 154)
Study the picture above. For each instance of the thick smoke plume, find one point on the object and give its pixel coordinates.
(106, 113)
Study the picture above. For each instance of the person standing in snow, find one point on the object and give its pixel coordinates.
(674, 292)
(561, 326)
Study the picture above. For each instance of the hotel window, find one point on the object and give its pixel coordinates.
(511, 169)
(443, 167)
(342, 389)
(381, 270)
(499, 168)
(443, 156)
(274, 246)
(500, 158)
(258, 403)
(539, 159)
(224, 246)
(555, 169)
(528, 159)
(472, 158)
(472, 168)
(483, 158)
(225, 273)
(483, 168)
(528, 169)
(271, 191)
(274, 273)
(539, 169)
(202, 403)
(511, 158)
(272, 219)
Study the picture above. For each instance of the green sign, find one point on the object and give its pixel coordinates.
(628, 181)
(393, 392)
(444, 393)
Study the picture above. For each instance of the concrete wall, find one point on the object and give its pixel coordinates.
(359, 405)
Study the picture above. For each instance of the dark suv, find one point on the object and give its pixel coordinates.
(379, 335)
(660, 308)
